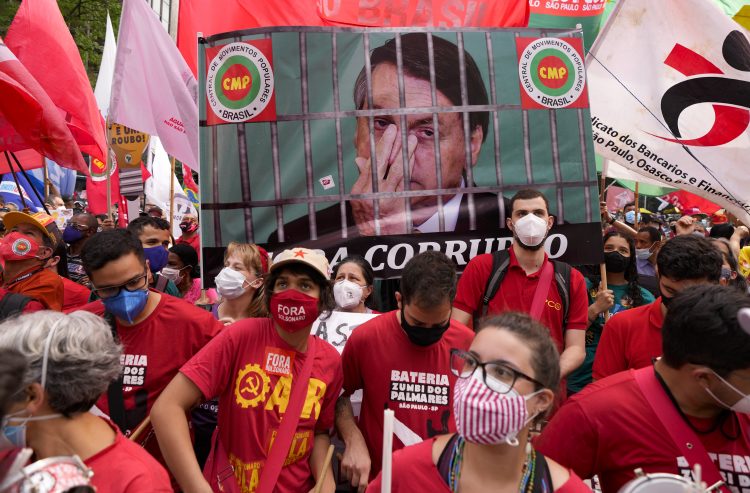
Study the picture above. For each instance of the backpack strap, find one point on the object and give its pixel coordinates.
(500, 262)
(115, 399)
(562, 280)
(12, 304)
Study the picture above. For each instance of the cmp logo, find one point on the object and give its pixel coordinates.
(21, 247)
(240, 82)
(707, 83)
(552, 73)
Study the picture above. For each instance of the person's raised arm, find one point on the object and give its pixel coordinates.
(355, 463)
(169, 419)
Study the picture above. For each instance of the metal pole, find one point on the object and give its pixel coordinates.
(39, 198)
(171, 194)
(15, 179)
(108, 173)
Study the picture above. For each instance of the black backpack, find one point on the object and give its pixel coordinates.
(12, 304)
(500, 262)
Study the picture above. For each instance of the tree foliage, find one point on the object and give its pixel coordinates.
(87, 21)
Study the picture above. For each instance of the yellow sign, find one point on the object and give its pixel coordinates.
(128, 145)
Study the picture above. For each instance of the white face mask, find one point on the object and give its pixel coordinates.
(172, 274)
(531, 230)
(348, 294)
(642, 253)
(230, 284)
(741, 406)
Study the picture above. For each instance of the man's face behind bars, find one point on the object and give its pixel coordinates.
(423, 172)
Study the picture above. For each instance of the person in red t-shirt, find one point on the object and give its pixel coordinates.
(702, 385)
(506, 383)
(633, 339)
(530, 223)
(25, 249)
(255, 367)
(190, 235)
(72, 358)
(400, 360)
(159, 333)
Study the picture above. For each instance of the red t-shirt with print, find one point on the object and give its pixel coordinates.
(125, 467)
(154, 350)
(609, 429)
(413, 470)
(414, 381)
(516, 293)
(252, 370)
(632, 339)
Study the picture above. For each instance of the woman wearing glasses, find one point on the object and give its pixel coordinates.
(506, 384)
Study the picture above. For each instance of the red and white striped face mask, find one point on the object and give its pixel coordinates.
(487, 417)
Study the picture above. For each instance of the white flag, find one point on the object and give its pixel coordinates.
(669, 84)
(103, 88)
(156, 187)
(154, 91)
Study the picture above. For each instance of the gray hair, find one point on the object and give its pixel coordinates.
(83, 356)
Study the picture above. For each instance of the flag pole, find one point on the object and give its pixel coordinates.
(602, 266)
(171, 194)
(108, 172)
(23, 171)
(46, 178)
(15, 179)
(637, 207)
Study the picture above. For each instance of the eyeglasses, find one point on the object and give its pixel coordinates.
(136, 284)
(79, 227)
(497, 376)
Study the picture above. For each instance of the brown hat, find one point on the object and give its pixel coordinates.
(313, 258)
(41, 221)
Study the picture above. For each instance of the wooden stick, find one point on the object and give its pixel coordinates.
(324, 470)
(171, 195)
(139, 430)
(637, 208)
(108, 172)
(603, 274)
(386, 471)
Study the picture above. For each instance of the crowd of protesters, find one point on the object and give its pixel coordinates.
(521, 374)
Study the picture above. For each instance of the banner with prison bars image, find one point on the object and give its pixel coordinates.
(387, 142)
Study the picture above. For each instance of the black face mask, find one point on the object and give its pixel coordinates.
(665, 300)
(423, 336)
(615, 262)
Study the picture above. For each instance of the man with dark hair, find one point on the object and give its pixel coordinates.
(418, 135)
(159, 333)
(633, 338)
(155, 236)
(29, 244)
(521, 269)
(79, 229)
(647, 243)
(401, 360)
(690, 407)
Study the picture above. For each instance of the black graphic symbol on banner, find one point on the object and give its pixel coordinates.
(730, 97)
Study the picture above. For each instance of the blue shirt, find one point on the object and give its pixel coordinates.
(645, 268)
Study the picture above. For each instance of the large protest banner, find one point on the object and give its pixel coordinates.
(290, 118)
(670, 97)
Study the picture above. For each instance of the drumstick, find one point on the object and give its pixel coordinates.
(324, 471)
(386, 470)
(144, 424)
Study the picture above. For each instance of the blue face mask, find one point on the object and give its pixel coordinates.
(157, 258)
(630, 217)
(71, 235)
(127, 305)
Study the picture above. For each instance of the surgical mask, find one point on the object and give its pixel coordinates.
(157, 257)
(172, 274)
(423, 336)
(630, 217)
(230, 284)
(741, 406)
(293, 311)
(15, 435)
(487, 417)
(615, 262)
(126, 305)
(531, 230)
(347, 294)
(71, 234)
(16, 247)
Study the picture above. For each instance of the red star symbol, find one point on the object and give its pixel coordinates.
(299, 253)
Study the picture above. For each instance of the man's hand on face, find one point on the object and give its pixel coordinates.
(388, 158)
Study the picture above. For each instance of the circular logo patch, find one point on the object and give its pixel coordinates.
(252, 386)
(239, 82)
(21, 247)
(552, 72)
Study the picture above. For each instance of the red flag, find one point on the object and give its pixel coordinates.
(29, 118)
(220, 16)
(38, 36)
(96, 186)
(686, 201)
